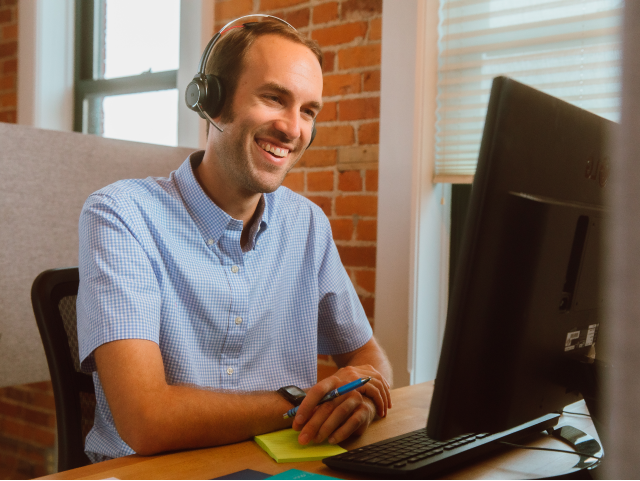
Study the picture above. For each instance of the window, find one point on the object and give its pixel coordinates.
(567, 48)
(126, 70)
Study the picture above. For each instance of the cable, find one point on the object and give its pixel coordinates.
(577, 414)
(551, 449)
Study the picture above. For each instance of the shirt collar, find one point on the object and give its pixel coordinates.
(211, 219)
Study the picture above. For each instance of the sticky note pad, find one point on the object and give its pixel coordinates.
(283, 446)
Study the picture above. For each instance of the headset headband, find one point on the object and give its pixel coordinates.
(214, 40)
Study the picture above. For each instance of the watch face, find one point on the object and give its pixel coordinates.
(293, 394)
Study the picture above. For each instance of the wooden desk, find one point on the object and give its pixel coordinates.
(410, 409)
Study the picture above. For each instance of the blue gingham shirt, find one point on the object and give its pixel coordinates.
(160, 261)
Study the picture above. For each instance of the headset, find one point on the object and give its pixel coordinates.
(205, 94)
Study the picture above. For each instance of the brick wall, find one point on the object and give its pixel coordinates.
(8, 60)
(27, 413)
(340, 171)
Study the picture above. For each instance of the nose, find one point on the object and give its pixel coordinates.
(289, 124)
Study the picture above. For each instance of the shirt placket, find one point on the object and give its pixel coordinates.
(237, 275)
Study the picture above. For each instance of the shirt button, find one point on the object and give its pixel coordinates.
(238, 320)
(210, 242)
(235, 269)
(229, 371)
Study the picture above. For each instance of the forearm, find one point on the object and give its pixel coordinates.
(180, 417)
(369, 354)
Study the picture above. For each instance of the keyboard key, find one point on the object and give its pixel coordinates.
(413, 460)
(401, 464)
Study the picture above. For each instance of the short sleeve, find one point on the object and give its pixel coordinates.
(118, 295)
(342, 323)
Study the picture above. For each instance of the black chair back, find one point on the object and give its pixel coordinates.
(53, 296)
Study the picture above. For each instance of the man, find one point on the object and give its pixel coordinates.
(201, 294)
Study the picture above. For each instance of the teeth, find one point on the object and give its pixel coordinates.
(278, 152)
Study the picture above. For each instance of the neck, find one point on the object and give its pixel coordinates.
(235, 201)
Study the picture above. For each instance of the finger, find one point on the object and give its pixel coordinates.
(361, 417)
(340, 414)
(376, 394)
(314, 395)
(310, 430)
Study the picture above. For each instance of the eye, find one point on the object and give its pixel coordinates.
(311, 113)
(272, 98)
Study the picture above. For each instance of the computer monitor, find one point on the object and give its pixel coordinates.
(526, 307)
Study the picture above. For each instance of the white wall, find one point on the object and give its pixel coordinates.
(412, 246)
(45, 66)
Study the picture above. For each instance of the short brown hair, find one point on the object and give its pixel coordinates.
(227, 59)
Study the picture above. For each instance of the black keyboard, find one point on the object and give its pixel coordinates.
(416, 454)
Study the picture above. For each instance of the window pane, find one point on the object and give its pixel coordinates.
(141, 36)
(150, 117)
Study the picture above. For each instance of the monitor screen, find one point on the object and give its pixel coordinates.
(525, 305)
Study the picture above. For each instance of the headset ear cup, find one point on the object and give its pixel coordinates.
(313, 134)
(195, 94)
(215, 96)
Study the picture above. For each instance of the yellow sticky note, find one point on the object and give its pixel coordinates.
(283, 446)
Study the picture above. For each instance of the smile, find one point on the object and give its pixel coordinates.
(277, 151)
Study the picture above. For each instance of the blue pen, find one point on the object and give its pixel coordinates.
(333, 394)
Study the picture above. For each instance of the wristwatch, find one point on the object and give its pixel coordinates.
(293, 394)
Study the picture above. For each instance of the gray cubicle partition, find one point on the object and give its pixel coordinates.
(45, 177)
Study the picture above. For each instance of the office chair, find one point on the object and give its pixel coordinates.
(53, 296)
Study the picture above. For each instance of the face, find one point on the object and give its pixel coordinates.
(279, 93)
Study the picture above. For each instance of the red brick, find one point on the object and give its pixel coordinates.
(9, 49)
(8, 82)
(341, 84)
(10, 66)
(360, 56)
(328, 113)
(8, 100)
(361, 8)
(273, 4)
(10, 32)
(365, 205)
(358, 109)
(371, 180)
(367, 230)
(368, 304)
(350, 180)
(319, 158)
(375, 29)
(342, 229)
(328, 62)
(6, 15)
(230, 9)
(8, 117)
(24, 432)
(41, 386)
(366, 280)
(320, 181)
(9, 409)
(294, 181)
(339, 34)
(323, 202)
(335, 135)
(356, 256)
(371, 81)
(369, 133)
(325, 13)
(297, 18)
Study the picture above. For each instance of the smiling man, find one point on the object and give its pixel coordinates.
(203, 293)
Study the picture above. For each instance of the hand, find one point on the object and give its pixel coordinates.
(351, 413)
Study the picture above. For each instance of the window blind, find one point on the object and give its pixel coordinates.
(567, 48)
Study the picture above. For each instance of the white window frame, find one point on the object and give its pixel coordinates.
(413, 212)
(46, 63)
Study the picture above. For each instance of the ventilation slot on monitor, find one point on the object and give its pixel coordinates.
(579, 238)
